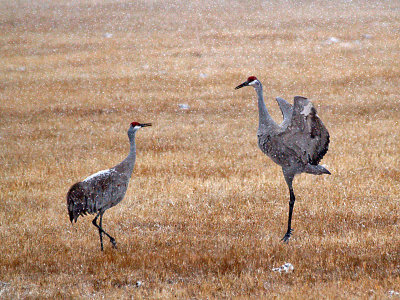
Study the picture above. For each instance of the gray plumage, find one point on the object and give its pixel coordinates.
(286, 109)
(104, 189)
(298, 144)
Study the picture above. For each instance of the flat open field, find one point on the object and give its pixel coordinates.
(205, 209)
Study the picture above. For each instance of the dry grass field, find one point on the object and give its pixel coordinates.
(205, 210)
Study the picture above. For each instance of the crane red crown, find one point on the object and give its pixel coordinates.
(251, 78)
(135, 124)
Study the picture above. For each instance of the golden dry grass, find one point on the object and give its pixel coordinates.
(205, 211)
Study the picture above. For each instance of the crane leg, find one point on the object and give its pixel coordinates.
(289, 179)
(101, 230)
(291, 205)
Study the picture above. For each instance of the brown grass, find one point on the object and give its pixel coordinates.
(205, 211)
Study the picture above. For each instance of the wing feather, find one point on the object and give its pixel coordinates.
(99, 191)
(285, 107)
(306, 133)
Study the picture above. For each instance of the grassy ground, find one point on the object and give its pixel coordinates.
(205, 210)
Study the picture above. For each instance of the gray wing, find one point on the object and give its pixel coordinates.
(107, 189)
(286, 108)
(97, 192)
(306, 134)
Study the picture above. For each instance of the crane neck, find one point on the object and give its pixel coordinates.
(127, 165)
(264, 119)
(132, 150)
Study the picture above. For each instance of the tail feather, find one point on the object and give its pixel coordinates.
(316, 169)
(76, 199)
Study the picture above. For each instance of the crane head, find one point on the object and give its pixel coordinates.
(251, 81)
(136, 125)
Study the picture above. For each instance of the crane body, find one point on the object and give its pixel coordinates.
(297, 144)
(104, 189)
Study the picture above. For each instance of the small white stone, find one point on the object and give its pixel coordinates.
(332, 40)
(138, 283)
(393, 293)
(287, 268)
(184, 106)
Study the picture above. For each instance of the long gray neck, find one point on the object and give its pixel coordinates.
(265, 122)
(128, 163)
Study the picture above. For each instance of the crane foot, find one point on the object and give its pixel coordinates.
(287, 236)
(114, 243)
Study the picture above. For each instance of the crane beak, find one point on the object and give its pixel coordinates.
(242, 85)
(145, 124)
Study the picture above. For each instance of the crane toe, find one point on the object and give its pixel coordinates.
(114, 243)
(287, 236)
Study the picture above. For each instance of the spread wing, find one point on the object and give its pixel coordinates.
(306, 134)
(286, 108)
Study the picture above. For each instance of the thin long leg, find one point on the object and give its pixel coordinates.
(289, 179)
(101, 230)
(291, 205)
(112, 240)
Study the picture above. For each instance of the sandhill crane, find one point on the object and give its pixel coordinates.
(297, 144)
(104, 189)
